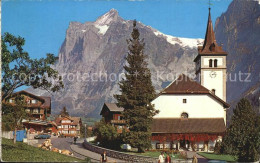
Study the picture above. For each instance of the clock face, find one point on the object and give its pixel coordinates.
(213, 74)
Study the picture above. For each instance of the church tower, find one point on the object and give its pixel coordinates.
(211, 64)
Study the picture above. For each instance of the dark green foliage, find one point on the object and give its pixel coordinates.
(137, 92)
(64, 112)
(107, 135)
(18, 69)
(217, 147)
(242, 138)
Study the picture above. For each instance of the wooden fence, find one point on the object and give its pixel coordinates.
(7, 134)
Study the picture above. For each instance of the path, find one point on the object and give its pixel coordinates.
(201, 159)
(95, 157)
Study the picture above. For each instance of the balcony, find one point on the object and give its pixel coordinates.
(118, 121)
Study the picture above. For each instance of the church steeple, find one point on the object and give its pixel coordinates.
(210, 44)
(211, 64)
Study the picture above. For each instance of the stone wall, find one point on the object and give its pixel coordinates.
(118, 155)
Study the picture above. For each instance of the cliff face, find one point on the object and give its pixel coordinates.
(93, 54)
(238, 29)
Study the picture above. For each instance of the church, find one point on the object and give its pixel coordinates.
(193, 112)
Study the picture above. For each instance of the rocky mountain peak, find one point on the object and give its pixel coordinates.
(92, 57)
(107, 18)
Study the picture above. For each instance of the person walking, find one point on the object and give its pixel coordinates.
(161, 158)
(168, 158)
(195, 159)
(75, 139)
(103, 157)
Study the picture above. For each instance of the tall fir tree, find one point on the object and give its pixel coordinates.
(242, 138)
(64, 112)
(137, 92)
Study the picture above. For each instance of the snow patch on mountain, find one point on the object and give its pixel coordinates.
(192, 43)
(102, 29)
(107, 18)
(257, 1)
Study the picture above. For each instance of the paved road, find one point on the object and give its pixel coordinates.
(62, 143)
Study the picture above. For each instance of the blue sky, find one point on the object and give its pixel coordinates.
(43, 23)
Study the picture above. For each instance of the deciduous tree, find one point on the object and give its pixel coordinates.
(14, 114)
(18, 69)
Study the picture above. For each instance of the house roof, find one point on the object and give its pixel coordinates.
(111, 107)
(184, 85)
(189, 125)
(47, 101)
(37, 122)
(44, 99)
(210, 45)
(29, 94)
(75, 120)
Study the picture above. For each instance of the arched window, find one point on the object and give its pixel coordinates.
(184, 115)
(213, 91)
(210, 63)
(215, 63)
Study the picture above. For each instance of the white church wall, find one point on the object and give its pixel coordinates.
(200, 145)
(153, 143)
(211, 145)
(197, 106)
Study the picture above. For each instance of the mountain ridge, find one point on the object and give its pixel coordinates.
(100, 46)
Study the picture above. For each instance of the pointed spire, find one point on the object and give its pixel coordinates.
(210, 44)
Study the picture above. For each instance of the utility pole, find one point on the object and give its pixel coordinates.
(85, 132)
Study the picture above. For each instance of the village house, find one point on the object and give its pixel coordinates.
(68, 126)
(38, 109)
(193, 113)
(113, 114)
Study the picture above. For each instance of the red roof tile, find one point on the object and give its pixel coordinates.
(189, 125)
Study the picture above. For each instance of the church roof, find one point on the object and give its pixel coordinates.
(210, 45)
(184, 85)
(188, 125)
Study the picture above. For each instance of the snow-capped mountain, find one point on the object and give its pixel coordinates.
(101, 47)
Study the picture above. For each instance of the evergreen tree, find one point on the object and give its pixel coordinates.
(137, 92)
(64, 112)
(242, 137)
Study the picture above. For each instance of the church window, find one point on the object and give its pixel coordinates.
(210, 63)
(213, 91)
(215, 63)
(184, 101)
(184, 115)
